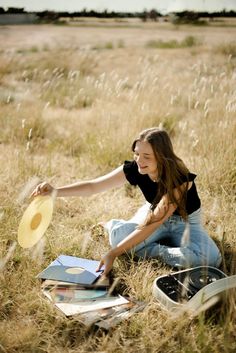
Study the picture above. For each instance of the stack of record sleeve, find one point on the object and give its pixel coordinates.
(76, 289)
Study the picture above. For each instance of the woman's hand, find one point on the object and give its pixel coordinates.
(43, 189)
(107, 261)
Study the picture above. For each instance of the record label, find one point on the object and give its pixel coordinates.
(75, 270)
(36, 220)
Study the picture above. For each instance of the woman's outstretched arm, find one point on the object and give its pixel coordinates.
(111, 180)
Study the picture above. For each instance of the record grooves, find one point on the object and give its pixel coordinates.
(35, 221)
(199, 279)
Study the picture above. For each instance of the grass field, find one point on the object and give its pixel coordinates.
(72, 99)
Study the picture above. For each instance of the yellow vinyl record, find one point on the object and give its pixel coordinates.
(35, 221)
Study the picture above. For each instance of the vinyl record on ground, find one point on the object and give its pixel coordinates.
(200, 278)
(35, 221)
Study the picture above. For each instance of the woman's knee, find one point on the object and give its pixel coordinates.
(120, 231)
(213, 259)
(203, 257)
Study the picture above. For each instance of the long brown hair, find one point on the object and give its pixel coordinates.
(171, 169)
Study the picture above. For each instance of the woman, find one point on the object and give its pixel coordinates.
(168, 226)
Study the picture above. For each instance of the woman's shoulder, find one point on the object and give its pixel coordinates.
(187, 177)
(191, 176)
(130, 166)
(130, 169)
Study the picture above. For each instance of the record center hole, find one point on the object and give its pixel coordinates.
(206, 279)
(75, 270)
(36, 220)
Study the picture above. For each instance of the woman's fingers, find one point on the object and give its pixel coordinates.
(107, 262)
(42, 189)
(101, 263)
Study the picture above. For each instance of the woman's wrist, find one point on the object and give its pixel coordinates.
(115, 252)
(58, 192)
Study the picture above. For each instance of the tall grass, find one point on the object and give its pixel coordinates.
(73, 115)
(228, 49)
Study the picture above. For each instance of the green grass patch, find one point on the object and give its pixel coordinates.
(187, 42)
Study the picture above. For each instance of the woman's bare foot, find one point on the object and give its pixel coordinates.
(98, 230)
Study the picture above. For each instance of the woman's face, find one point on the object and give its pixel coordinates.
(145, 159)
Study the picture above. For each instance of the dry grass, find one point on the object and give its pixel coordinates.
(70, 107)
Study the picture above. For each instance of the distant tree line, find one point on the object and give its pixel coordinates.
(182, 17)
(82, 13)
(198, 17)
(12, 10)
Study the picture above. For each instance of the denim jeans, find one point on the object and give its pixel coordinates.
(176, 242)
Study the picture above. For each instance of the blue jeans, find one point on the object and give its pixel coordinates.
(176, 242)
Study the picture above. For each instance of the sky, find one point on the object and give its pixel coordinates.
(162, 6)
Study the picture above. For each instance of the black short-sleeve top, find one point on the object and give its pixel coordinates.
(149, 187)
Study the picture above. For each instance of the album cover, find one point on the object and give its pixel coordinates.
(68, 274)
(72, 269)
(68, 294)
(70, 309)
(51, 283)
(110, 317)
(93, 317)
(100, 283)
(73, 261)
(120, 313)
